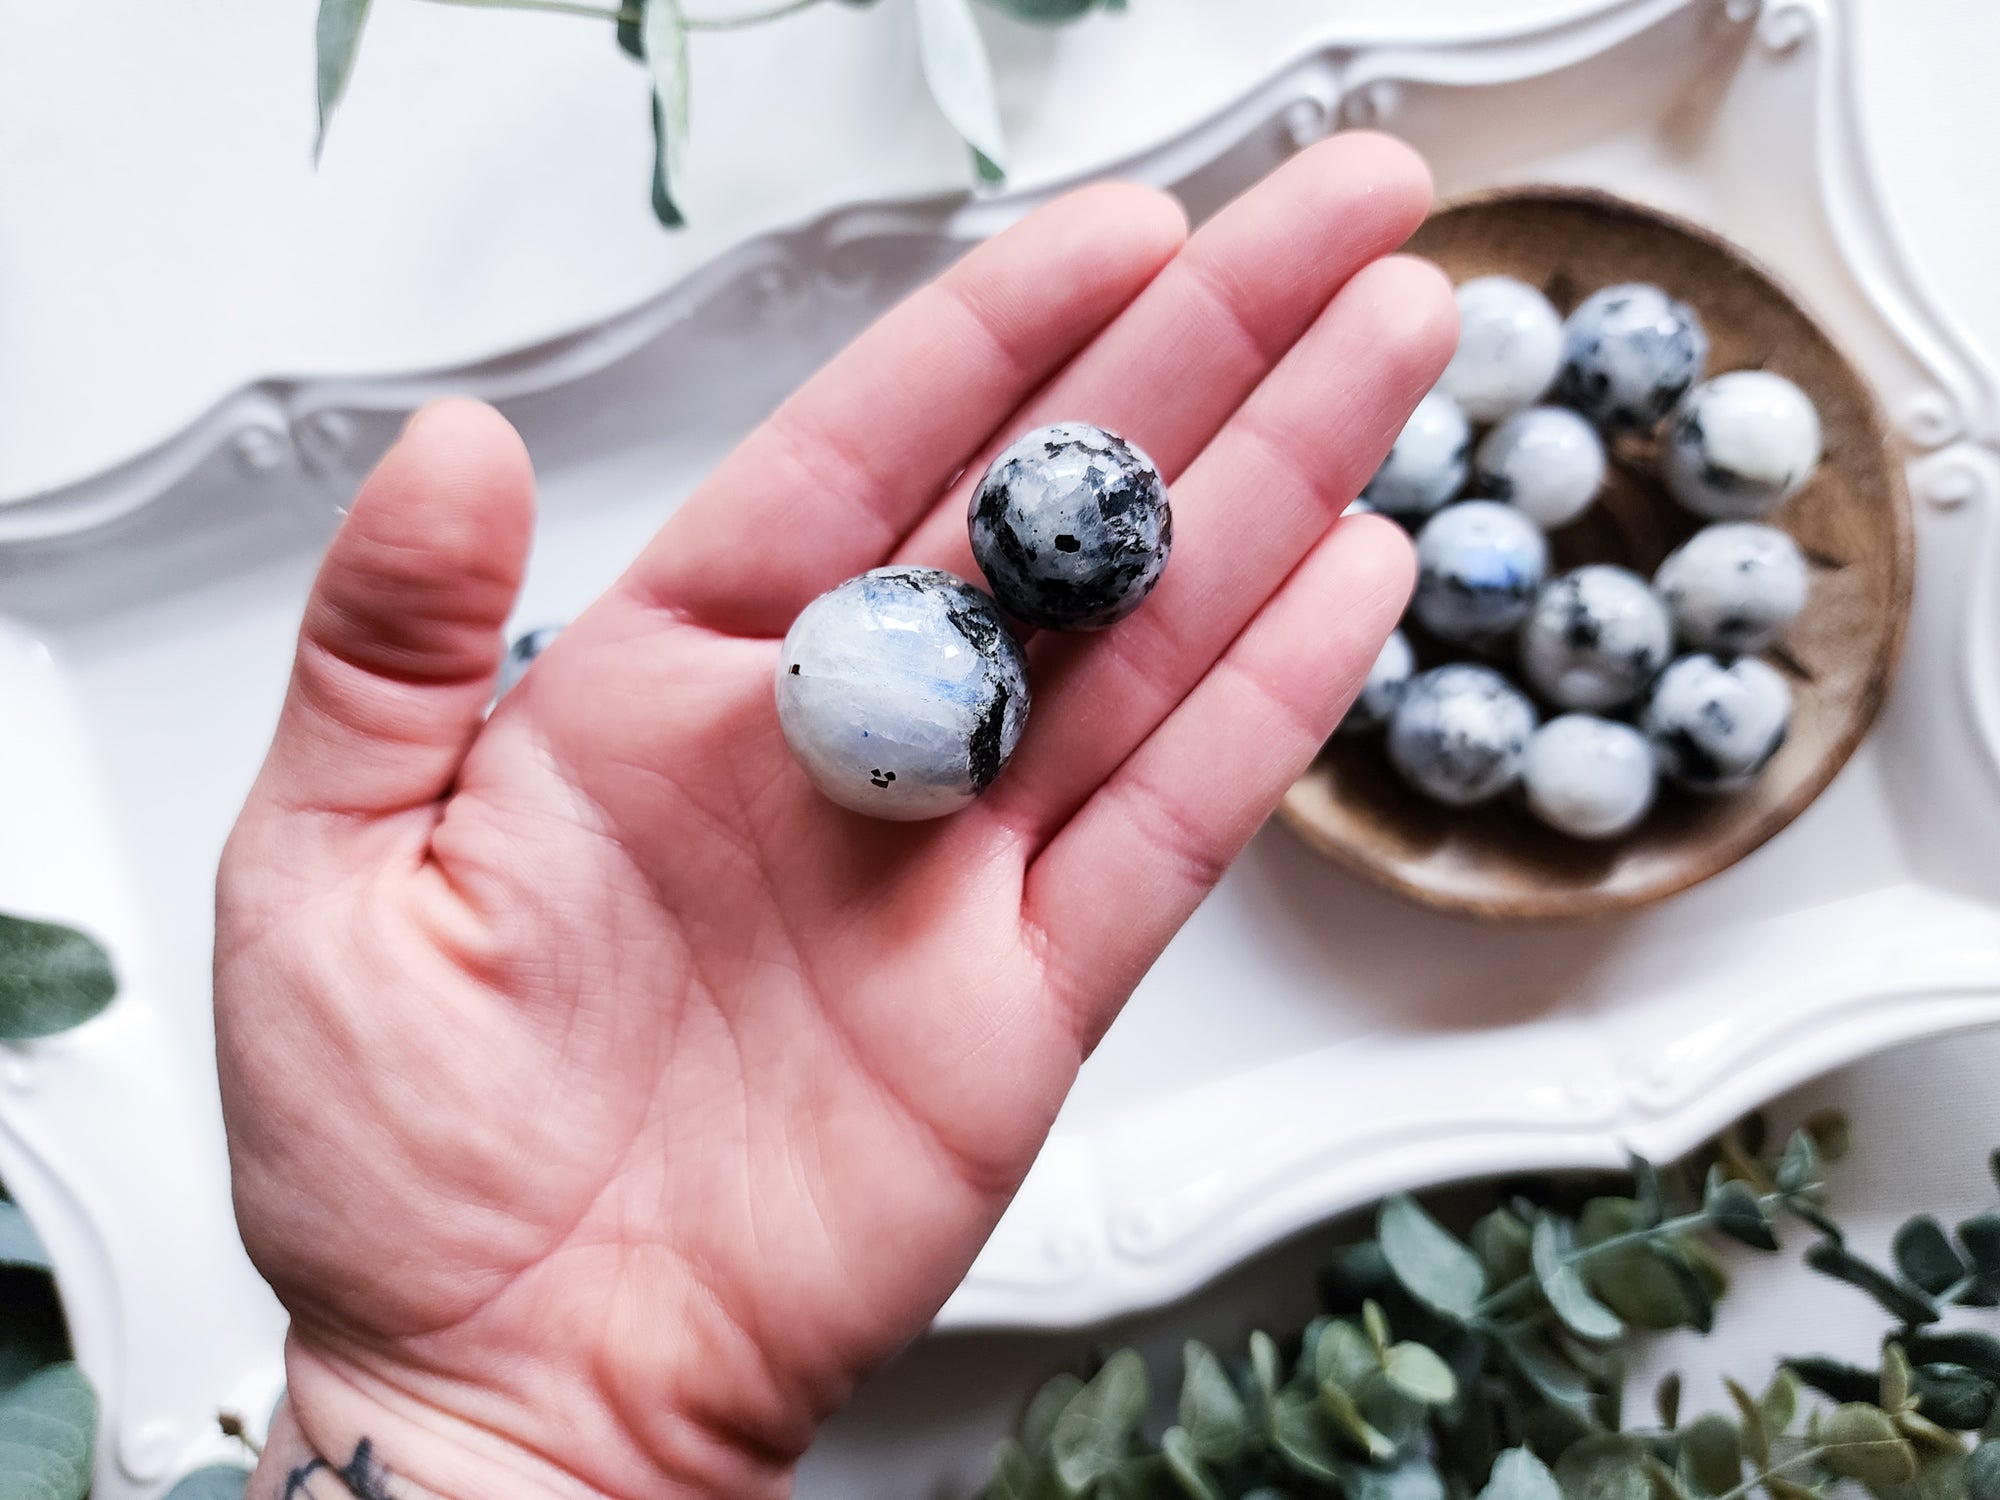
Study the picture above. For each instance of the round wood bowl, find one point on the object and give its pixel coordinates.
(1852, 521)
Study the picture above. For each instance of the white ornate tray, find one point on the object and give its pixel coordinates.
(1308, 1042)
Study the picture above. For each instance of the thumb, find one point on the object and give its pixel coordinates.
(402, 634)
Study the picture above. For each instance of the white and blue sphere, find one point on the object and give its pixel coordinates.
(1479, 567)
(1629, 353)
(902, 693)
(1734, 587)
(521, 656)
(1510, 345)
(1427, 465)
(1071, 527)
(1394, 665)
(1588, 777)
(1460, 733)
(1546, 462)
(1714, 726)
(1595, 639)
(1739, 444)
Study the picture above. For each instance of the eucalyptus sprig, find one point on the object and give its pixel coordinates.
(655, 33)
(1494, 1366)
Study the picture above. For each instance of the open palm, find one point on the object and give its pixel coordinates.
(603, 1103)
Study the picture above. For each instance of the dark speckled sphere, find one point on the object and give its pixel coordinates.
(1071, 527)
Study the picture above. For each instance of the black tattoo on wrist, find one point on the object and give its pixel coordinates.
(365, 1478)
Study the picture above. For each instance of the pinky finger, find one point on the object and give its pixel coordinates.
(1130, 867)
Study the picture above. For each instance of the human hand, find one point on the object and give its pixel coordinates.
(603, 1103)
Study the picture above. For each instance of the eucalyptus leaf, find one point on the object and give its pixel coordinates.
(1898, 1298)
(1264, 1365)
(1953, 1396)
(1895, 1383)
(1303, 1435)
(1519, 1475)
(1014, 1476)
(1186, 1466)
(1835, 1379)
(1433, 1267)
(215, 1482)
(32, 1334)
(1344, 1356)
(19, 1244)
(1556, 1380)
(1925, 1256)
(336, 38)
(1831, 1132)
(1756, 1436)
(1050, 1402)
(1861, 1442)
(1502, 1240)
(1096, 1429)
(1646, 1281)
(1982, 1472)
(1779, 1405)
(1980, 1235)
(1211, 1411)
(1965, 1346)
(52, 977)
(1607, 1466)
(1712, 1453)
(1420, 1374)
(1562, 1284)
(627, 31)
(960, 78)
(1780, 1488)
(1375, 1325)
(1667, 1400)
(1734, 1210)
(1415, 1478)
(1646, 1192)
(1352, 1425)
(1798, 1168)
(1927, 1435)
(48, 1432)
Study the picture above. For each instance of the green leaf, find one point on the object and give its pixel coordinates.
(1502, 1241)
(1095, 1430)
(1974, 1350)
(1415, 1478)
(1419, 1374)
(1712, 1453)
(32, 1334)
(1927, 1435)
(1982, 1472)
(960, 78)
(663, 38)
(1993, 1166)
(1667, 1400)
(1014, 1475)
(1924, 1255)
(1953, 1396)
(1265, 1367)
(1646, 1282)
(1780, 1488)
(1832, 1378)
(216, 1482)
(1519, 1475)
(1433, 1267)
(1798, 1168)
(51, 978)
(1862, 1443)
(1563, 1285)
(1344, 1356)
(48, 1431)
(1051, 1401)
(1211, 1410)
(1605, 1466)
(1376, 1325)
(1901, 1300)
(1186, 1466)
(1895, 1383)
(1302, 1434)
(1980, 1235)
(1831, 1133)
(1734, 1210)
(336, 38)
(1779, 1405)
(627, 32)
(19, 1244)
(1350, 1424)
(1556, 1380)
(1756, 1436)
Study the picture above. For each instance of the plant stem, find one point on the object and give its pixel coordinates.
(1806, 1457)
(749, 18)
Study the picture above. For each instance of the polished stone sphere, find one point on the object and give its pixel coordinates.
(1715, 726)
(1629, 353)
(902, 693)
(1588, 777)
(1510, 344)
(1479, 566)
(1426, 467)
(1459, 734)
(521, 656)
(1394, 665)
(1739, 444)
(1071, 527)
(1733, 588)
(1546, 462)
(1595, 639)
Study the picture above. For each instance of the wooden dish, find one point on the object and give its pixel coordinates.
(1852, 521)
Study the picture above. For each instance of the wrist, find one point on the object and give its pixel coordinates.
(346, 1434)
